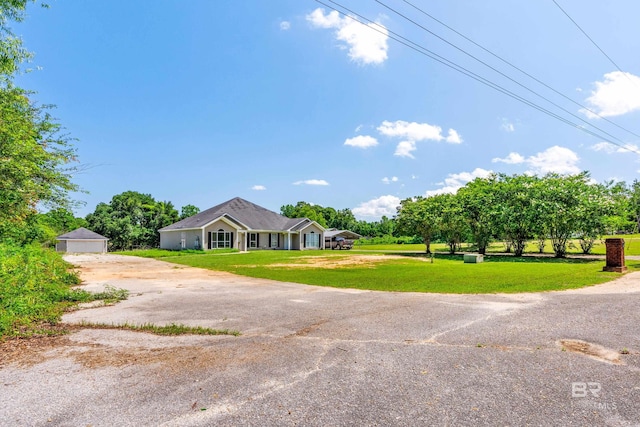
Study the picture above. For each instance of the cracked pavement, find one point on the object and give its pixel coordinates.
(329, 357)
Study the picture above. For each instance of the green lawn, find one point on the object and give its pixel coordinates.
(632, 247)
(447, 274)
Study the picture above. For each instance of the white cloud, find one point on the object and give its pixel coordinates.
(259, 187)
(361, 141)
(554, 159)
(405, 148)
(383, 205)
(617, 94)
(367, 43)
(320, 20)
(453, 137)
(311, 182)
(455, 181)
(358, 129)
(511, 159)
(390, 180)
(411, 130)
(285, 25)
(507, 126)
(610, 148)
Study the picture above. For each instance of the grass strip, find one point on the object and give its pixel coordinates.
(171, 329)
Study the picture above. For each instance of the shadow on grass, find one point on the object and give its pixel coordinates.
(510, 258)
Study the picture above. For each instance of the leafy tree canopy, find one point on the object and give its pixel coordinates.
(188, 210)
(35, 155)
(132, 219)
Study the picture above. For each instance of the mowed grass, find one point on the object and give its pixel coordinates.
(632, 247)
(447, 274)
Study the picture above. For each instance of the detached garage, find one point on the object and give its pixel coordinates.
(81, 240)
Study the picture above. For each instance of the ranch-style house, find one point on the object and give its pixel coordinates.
(242, 225)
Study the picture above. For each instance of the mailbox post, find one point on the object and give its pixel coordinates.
(615, 256)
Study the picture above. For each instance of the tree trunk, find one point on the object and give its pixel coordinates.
(427, 242)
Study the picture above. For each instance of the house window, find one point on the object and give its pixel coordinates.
(183, 240)
(311, 240)
(274, 240)
(253, 240)
(220, 239)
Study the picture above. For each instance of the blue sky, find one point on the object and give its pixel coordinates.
(280, 101)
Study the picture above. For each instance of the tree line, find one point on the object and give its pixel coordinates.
(341, 219)
(516, 209)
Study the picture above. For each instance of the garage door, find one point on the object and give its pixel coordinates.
(74, 246)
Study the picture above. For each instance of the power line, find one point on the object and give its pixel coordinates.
(587, 36)
(520, 70)
(426, 52)
(495, 69)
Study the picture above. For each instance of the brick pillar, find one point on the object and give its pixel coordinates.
(615, 256)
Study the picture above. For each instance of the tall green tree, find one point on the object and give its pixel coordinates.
(305, 210)
(12, 52)
(35, 160)
(623, 217)
(634, 203)
(569, 205)
(516, 216)
(132, 219)
(35, 155)
(188, 210)
(452, 226)
(478, 202)
(596, 206)
(419, 216)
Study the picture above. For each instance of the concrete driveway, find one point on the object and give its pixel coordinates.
(329, 357)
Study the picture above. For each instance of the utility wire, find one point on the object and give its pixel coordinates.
(426, 52)
(587, 36)
(520, 69)
(496, 70)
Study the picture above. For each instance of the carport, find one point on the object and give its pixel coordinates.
(81, 240)
(332, 234)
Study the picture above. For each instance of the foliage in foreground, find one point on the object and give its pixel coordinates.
(414, 273)
(36, 287)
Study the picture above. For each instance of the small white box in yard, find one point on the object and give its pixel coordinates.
(473, 258)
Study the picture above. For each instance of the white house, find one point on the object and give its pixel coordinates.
(242, 225)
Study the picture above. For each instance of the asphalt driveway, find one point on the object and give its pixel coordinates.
(322, 356)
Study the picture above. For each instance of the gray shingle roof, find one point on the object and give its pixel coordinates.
(249, 214)
(81, 234)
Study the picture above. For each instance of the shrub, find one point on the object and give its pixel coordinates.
(35, 288)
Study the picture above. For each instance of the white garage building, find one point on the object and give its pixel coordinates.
(81, 241)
